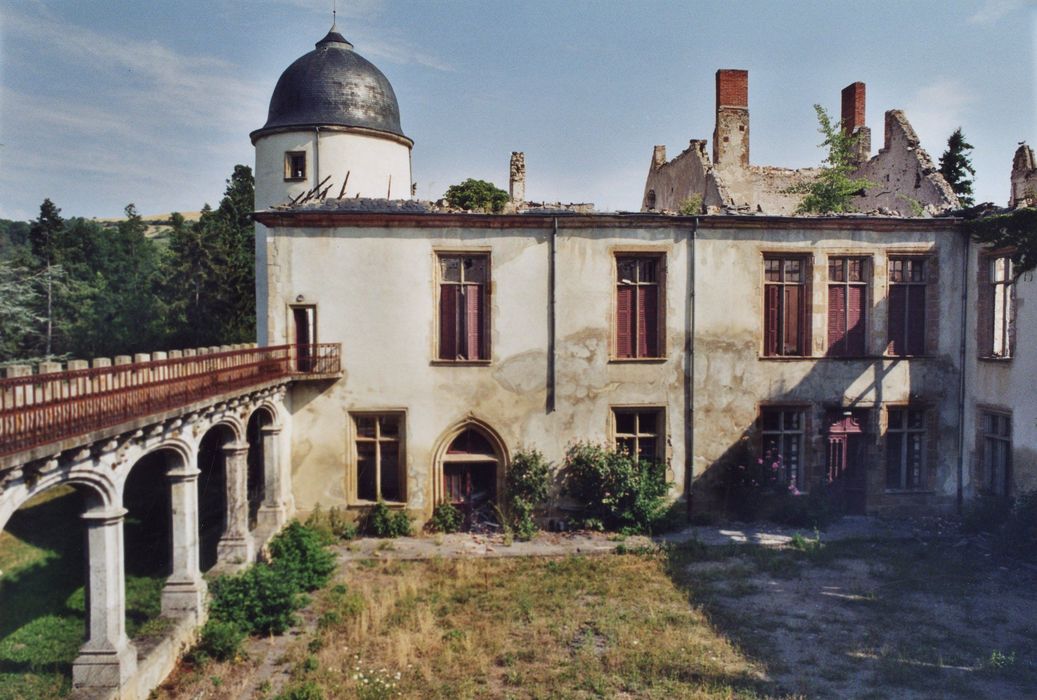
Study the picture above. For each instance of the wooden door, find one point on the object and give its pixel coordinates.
(846, 462)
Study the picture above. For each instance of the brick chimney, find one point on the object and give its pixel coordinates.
(731, 134)
(853, 119)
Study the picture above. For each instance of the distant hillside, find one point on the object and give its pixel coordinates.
(158, 224)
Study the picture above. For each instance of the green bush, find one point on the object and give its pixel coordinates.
(478, 195)
(332, 526)
(382, 521)
(300, 554)
(527, 485)
(987, 512)
(307, 690)
(445, 518)
(259, 600)
(1018, 535)
(220, 640)
(617, 489)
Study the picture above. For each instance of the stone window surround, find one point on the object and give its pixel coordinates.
(438, 253)
(352, 471)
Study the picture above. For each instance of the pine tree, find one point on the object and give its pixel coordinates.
(43, 242)
(956, 166)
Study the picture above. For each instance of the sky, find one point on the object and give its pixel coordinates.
(108, 102)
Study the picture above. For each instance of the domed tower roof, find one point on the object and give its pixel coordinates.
(333, 86)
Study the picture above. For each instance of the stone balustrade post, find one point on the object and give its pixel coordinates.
(273, 513)
(236, 546)
(16, 396)
(79, 385)
(52, 390)
(184, 593)
(107, 659)
(102, 381)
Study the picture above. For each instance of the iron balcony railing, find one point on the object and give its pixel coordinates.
(44, 408)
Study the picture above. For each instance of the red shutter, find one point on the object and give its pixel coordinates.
(837, 344)
(897, 307)
(793, 321)
(625, 321)
(770, 319)
(473, 321)
(648, 322)
(916, 320)
(448, 322)
(855, 323)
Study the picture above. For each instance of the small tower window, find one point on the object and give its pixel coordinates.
(295, 165)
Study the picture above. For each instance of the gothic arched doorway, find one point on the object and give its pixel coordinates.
(471, 470)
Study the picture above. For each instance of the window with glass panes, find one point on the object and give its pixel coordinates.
(638, 308)
(464, 310)
(905, 448)
(639, 432)
(997, 452)
(847, 306)
(997, 307)
(785, 305)
(906, 301)
(379, 456)
(782, 432)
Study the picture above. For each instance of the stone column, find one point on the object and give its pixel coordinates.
(107, 660)
(236, 545)
(184, 593)
(274, 511)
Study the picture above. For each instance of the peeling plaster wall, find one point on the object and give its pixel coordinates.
(689, 174)
(732, 377)
(375, 293)
(904, 174)
(1004, 385)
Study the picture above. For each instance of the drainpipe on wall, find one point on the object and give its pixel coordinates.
(551, 252)
(689, 370)
(316, 155)
(961, 382)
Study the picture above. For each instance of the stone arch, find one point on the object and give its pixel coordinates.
(230, 421)
(261, 432)
(95, 484)
(489, 450)
(221, 450)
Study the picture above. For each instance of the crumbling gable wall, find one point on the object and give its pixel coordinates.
(906, 180)
(1024, 179)
(688, 175)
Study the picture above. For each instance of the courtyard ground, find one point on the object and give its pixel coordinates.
(906, 612)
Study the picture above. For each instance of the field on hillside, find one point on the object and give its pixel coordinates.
(866, 619)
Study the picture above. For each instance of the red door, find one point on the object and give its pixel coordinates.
(846, 466)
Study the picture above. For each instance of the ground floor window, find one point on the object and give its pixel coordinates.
(997, 452)
(379, 456)
(639, 432)
(782, 428)
(905, 448)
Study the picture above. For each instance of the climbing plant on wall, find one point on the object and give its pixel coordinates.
(1016, 231)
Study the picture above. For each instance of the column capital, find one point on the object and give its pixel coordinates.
(104, 516)
(233, 448)
(271, 429)
(185, 473)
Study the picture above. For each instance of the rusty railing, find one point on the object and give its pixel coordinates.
(39, 409)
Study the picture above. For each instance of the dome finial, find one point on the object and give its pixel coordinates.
(334, 13)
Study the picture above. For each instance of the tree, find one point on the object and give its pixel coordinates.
(17, 320)
(956, 166)
(478, 195)
(833, 189)
(43, 242)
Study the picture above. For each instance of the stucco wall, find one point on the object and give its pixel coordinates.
(375, 293)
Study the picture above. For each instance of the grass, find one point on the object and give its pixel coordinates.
(42, 598)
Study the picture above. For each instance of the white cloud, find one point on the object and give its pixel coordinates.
(936, 110)
(990, 11)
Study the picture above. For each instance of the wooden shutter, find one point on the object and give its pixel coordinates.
(473, 321)
(855, 321)
(625, 321)
(897, 307)
(793, 321)
(448, 322)
(648, 322)
(770, 313)
(916, 320)
(837, 343)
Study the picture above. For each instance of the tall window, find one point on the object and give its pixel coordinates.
(464, 310)
(639, 432)
(782, 429)
(907, 306)
(905, 448)
(847, 303)
(295, 165)
(379, 456)
(997, 452)
(638, 310)
(997, 307)
(786, 327)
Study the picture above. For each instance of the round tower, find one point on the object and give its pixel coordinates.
(334, 119)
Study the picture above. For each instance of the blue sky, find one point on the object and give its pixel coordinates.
(106, 103)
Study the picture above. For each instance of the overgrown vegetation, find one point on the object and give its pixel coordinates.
(691, 206)
(383, 521)
(1015, 232)
(956, 167)
(333, 525)
(263, 599)
(833, 190)
(617, 490)
(82, 288)
(445, 518)
(527, 486)
(1012, 522)
(477, 195)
